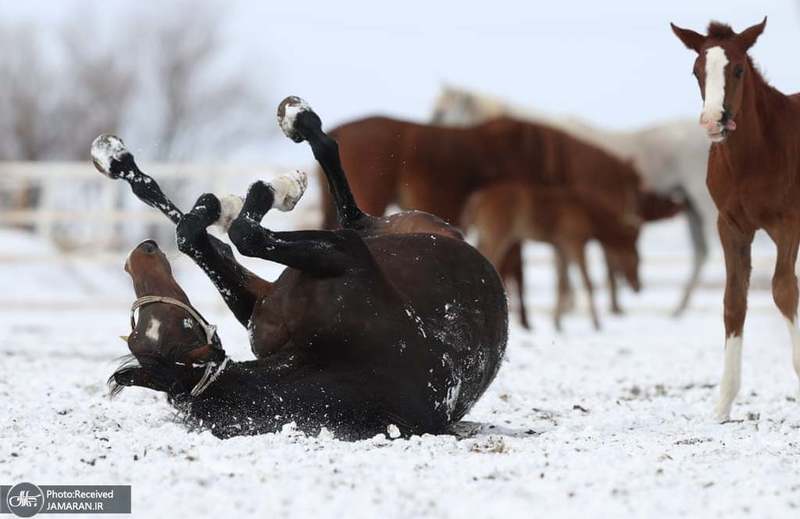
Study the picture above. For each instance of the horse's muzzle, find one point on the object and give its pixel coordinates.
(148, 246)
(718, 129)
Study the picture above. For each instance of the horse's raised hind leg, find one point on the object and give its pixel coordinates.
(785, 290)
(239, 287)
(300, 123)
(736, 247)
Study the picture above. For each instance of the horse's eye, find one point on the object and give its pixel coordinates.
(738, 70)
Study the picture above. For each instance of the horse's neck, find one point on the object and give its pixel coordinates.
(609, 228)
(146, 286)
(763, 114)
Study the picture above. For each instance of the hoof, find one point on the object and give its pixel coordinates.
(287, 113)
(722, 413)
(106, 149)
(230, 207)
(288, 190)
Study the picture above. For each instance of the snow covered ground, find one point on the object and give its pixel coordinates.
(609, 424)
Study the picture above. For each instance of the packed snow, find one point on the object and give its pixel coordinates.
(610, 424)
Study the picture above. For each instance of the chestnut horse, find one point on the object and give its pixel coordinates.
(506, 213)
(753, 177)
(386, 321)
(667, 155)
(436, 168)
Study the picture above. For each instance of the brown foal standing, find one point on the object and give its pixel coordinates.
(753, 177)
(511, 212)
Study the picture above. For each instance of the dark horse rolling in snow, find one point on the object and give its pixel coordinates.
(390, 320)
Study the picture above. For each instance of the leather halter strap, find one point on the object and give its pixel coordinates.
(213, 369)
(209, 329)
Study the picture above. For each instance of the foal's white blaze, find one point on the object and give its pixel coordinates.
(731, 377)
(716, 60)
(152, 329)
(794, 333)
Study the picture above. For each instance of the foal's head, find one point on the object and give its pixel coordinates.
(721, 67)
(163, 328)
(624, 260)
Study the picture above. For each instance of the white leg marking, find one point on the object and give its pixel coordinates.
(716, 60)
(230, 206)
(794, 333)
(731, 377)
(288, 189)
(294, 106)
(106, 148)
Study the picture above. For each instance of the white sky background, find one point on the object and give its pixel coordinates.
(614, 63)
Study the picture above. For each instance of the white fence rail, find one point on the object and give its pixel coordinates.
(72, 206)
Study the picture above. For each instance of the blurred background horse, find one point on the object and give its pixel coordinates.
(670, 156)
(436, 168)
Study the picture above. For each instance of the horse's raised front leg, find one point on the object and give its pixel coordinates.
(239, 287)
(322, 253)
(784, 285)
(736, 247)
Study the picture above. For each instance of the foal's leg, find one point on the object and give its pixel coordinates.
(512, 267)
(736, 247)
(564, 293)
(697, 233)
(578, 252)
(784, 287)
(239, 287)
(612, 285)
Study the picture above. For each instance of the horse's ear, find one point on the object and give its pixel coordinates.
(693, 41)
(747, 38)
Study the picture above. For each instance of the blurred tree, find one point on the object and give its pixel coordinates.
(162, 76)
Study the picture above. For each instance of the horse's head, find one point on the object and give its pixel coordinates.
(623, 258)
(460, 107)
(454, 107)
(721, 68)
(623, 234)
(148, 267)
(167, 327)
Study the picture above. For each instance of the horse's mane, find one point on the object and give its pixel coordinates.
(720, 31)
(128, 363)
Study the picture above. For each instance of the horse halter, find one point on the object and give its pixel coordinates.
(213, 369)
